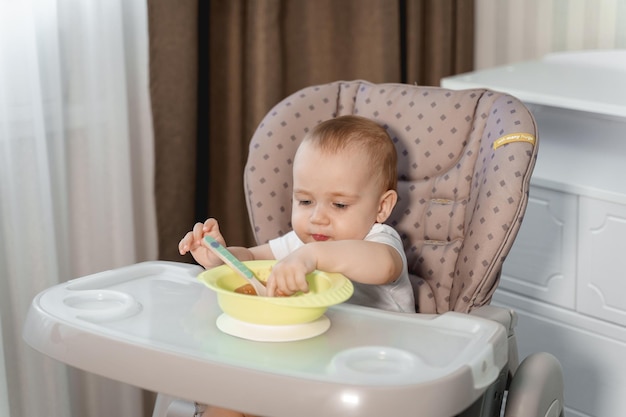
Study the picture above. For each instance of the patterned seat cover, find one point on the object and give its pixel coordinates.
(465, 161)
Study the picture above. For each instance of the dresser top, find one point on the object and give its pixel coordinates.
(591, 81)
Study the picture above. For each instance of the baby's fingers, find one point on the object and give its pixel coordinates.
(297, 283)
(275, 286)
(286, 284)
(211, 225)
(191, 241)
(186, 244)
(198, 231)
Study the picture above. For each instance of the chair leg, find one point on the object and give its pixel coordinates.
(166, 406)
(536, 389)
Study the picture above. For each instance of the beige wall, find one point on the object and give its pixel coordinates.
(509, 31)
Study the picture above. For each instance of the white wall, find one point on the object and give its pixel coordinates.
(509, 31)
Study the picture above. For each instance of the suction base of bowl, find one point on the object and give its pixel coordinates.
(267, 333)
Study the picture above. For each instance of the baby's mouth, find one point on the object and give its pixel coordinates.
(320, 238)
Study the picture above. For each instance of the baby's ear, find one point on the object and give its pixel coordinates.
(386, 204)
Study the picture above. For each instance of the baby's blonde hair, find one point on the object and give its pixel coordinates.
(358, 133)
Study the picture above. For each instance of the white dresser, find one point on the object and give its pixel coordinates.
(566, 273)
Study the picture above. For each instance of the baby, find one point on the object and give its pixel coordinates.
(344, 189)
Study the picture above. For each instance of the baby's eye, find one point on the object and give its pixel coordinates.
(340, 205)
(304, 202)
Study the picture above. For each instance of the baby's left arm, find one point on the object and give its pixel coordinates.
(361, 261)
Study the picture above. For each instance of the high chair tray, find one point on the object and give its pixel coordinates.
(153, 325)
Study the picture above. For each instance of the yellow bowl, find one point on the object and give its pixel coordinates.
(325, 289)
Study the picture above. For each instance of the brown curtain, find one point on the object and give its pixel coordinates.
(218, 66)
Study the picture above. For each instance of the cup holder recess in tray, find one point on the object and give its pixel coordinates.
(102, 305)
(376, 364)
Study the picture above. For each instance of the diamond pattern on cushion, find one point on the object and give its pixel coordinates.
(461, 202)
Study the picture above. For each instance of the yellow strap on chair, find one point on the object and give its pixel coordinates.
(514, 137)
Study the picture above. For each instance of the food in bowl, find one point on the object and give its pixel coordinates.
(247, 289)
(325, 289)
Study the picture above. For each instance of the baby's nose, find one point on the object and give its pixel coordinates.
(319, 215)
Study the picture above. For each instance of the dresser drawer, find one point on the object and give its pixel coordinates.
(542, 262)
(601, 286)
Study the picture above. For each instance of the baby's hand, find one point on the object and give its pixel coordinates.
(192, 242)
(288, 276)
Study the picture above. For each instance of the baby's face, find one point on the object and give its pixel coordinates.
(336, 197)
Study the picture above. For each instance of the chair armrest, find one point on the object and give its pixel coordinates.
(507, 318)
(502, 315)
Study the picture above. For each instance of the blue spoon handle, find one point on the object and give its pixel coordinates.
(239, 267)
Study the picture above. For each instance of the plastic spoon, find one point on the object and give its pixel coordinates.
(238, 266)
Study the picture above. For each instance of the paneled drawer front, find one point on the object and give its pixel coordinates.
(591, 352)
(542, 262)
(602, 260)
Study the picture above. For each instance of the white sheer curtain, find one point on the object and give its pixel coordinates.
(76, 180)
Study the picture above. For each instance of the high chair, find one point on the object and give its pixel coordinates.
(465, 162)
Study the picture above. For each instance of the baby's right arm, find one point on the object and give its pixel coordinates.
(192, 242)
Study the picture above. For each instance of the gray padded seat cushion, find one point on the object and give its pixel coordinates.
(461, 200)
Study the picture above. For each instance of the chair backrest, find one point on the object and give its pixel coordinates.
(465, 162)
